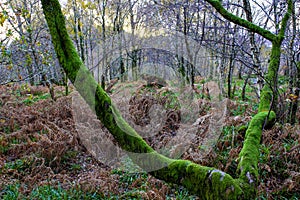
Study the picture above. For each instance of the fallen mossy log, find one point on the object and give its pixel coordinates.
(207, 182)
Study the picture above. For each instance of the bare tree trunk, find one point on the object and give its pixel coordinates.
(254, 48)
(294, 73)
(81, 39)
(135, 52)
(74, 5)
(231, 64)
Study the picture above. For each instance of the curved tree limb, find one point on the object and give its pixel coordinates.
(250, 153)
(217, 4)
(204, 181)
(207, 182)
(269, 91)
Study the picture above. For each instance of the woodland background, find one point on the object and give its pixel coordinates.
(38, 144)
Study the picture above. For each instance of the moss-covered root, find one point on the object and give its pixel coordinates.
(248, 158)
(206, 182)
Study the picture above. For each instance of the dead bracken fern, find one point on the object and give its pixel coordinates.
(40, 143)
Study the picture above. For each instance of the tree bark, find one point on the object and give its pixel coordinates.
(269, 91)
(207, 182)
(248, 157)
(254, 49)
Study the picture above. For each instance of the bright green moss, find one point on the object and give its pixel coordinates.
(249, 155)
(203, 181)
(240, 21)
(206, 182)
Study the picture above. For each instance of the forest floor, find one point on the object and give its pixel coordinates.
(43, 156)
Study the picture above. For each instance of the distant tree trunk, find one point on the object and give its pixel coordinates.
(74, 6)
(254, 48)
(244, 87)
(297, 94)
(179, 58)
(81, 38)
(294, 73)
(135, 52)
(223, 62)
(105, 67)
(240, 73)
(134, 64)
(230, 93)
(229, 76)
(118, 29)
(212, 65)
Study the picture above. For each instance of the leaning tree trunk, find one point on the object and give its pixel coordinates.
(269, 95)
(207, 182)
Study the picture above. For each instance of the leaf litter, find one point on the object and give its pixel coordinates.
(39, 145)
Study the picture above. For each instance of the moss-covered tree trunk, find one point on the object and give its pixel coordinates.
(248, 157)
(269, 92)
(208, 183)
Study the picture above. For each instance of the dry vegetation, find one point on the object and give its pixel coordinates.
(40, 145)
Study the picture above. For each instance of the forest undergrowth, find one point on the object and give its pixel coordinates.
(41, 154)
